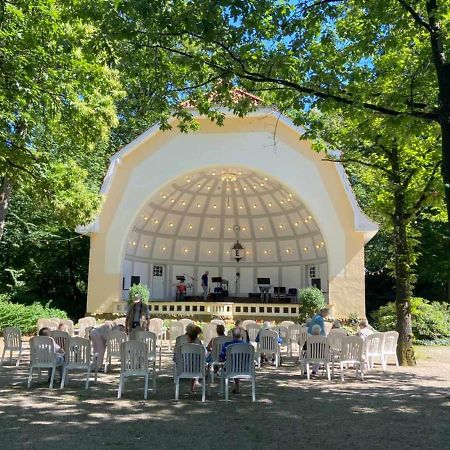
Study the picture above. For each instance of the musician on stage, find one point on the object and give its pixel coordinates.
(205, 285)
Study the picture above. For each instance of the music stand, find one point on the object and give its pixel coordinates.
(264, 287)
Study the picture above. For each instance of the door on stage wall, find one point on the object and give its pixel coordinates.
(157, 291)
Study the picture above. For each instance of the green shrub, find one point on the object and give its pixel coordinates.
(26, 317)
(311, 301)
(430, 320)
(138, 289)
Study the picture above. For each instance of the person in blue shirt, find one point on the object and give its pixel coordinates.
(318, 319)
(237, 339)
(205, 285)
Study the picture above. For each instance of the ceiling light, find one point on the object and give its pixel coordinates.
(290, 194)
(164, 196)
(228, 188)
(306, 220)
(239, 173)
(296, 224)
(156, 221)
(229, 206)
(288, 250)
(183, 203)
(235, 189)
(209, 252)
(208, 187)
(199, 185)
(190, 226)
(229, 228)
(243, 228)
(188, 180)
(322, 243)
(241, 207)
(254, 186)
(186, 250)
(288, 199)
(269, 204)
(245, 188)
(145, 245)
(171, 224)
(163, 249)
(281, 226)
(145, 217)
(215, 206)
(247, 252)
(213, 174)
(228, 177)
(265, 178)
(261, 228)
(228, 252)
(309, 217)
(262, 184)
(266, 252)
(305, 249)
(133, 243)
(211, 228)
(198, 205)
(254, 206)
(282, 202)
(317, 246)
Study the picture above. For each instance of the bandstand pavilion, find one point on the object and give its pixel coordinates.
(174, 204)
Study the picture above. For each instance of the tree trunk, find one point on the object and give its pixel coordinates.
(5, 195)
(405, 350)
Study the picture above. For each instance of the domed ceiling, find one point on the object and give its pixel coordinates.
(198, 218)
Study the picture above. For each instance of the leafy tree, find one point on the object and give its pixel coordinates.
(311, 301)
(57, 96)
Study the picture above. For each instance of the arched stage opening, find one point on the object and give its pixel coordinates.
(175, 203)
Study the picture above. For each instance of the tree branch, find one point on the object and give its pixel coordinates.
(357, 161)
(415, 15)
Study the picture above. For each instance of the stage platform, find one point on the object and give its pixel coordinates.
(223, 309)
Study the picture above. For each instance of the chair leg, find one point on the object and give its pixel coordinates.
(327, 366)
(18, 358)
(30, 376)
(154, 378)
(88, 375)
(63, 378)
(226, 389)
(211, 371)
(307, 371)
(177, 388)
(160, 350)
(119, 393)
(342, 372)
(253, 389)
(3, 355)
(146, 386)
(10, 357)
(204, 389)
(52, 377)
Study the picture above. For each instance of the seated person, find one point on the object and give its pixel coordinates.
(364, 329)
(181, 291)
(244, 334)
(337, 327)
(267, 326)
(220, 329)
(318, 319)
(237, 339)
(62, 327)
(59, 352)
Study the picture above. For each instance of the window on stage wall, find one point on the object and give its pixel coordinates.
(157, 271)
(135, 280)
(312, 271)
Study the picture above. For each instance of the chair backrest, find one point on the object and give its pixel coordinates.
(352, 348)
(190, 361)
(42, 351)
(218, 322)
(217, 347)
(47, 323)
(86, 333)
(185, 323)
(390, 342)
(176, 329)
(286, 323)
(240, 360)
(61, 338)
(253, 329)
(328, 326)
(134, 357)
(374, 343)
(149, 338)
(247, 322)
(317, 348)
(209, 332)
(268, 341)
(12, 338)
(91, 320)
(83, 323)
(120, 321)
(302, 336)
(156, 325)
(78, 352)
(294, 332)
(338, 331)
(68, 324)
(113, 342)
(335, 340)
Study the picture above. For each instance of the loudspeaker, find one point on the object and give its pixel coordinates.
(316, 283)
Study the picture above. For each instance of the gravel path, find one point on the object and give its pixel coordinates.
(399, 409)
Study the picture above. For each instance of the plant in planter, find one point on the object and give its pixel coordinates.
(138, 289)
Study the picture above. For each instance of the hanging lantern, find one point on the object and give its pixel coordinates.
(237, 252)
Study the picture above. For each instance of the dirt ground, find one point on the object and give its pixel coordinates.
(402, 408)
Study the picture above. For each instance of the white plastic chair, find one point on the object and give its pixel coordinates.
(352, 354)
(42, 356)
(12, 342)
(185, 323)
(218, 322)
(113, 343)
(335, 340)
(120, 321)
(268, 344)
(84, 323)
(68, 324)
(328, 326)
(390, 347)
(176, 329)
(61, 338)
(156, 327)
(286, 323)
(253, 329)
(247, 322)
(240, 364)
(301, 342)
(293, 338)
(317, 352)
(374, 349)
(283, 334)
(209, 332)
(215, 352)
(190, 363)
(133, 363)
(86, 333)
(47, 323)
(150, 340)
(78, 357)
